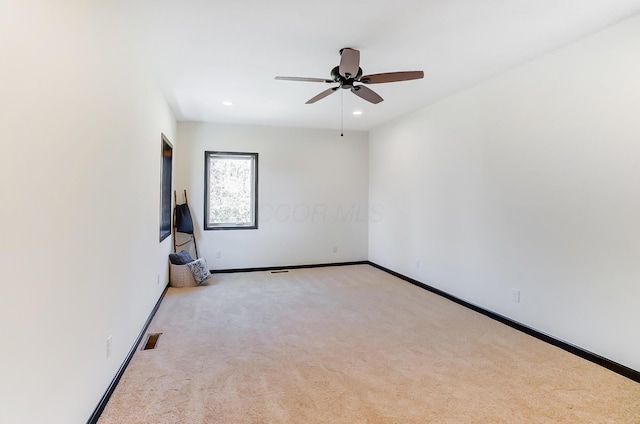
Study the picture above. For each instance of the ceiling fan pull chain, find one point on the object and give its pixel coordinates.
(341, 113)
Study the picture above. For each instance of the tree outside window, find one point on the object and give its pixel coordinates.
(231, 190)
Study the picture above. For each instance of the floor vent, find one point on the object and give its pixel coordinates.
(279, 272)
(152, 341)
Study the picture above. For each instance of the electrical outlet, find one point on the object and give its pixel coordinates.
(417, 264)
(218, 254)
(109, 345)
(158, 279)
(515, 295)
(335, 249)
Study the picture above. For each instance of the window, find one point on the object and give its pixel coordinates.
(165, 188)
(231, 190)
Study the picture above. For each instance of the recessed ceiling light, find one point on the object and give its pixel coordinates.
(227, 103)
(357, 112)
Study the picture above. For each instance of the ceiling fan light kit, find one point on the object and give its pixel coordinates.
(349, 72)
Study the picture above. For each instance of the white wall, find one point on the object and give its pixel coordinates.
(313, 188)
(531, 181)
(80, 125)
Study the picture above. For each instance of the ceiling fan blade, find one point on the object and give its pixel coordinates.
(366, 93)
(349, 62)
(391, 77)
(304, 79)
(322, 95)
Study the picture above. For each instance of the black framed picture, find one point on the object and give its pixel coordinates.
(165, 189)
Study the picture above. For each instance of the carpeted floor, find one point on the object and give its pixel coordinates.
(352, 344)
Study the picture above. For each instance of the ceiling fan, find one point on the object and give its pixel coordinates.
(349, 72)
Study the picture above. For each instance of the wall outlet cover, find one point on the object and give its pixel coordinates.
(515, 295)
(109, 345)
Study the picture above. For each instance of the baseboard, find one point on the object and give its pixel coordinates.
(578, 351)
(112, 386)
(278, 268)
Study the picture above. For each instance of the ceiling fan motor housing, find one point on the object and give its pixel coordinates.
(345, 83)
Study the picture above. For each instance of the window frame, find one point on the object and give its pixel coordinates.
(254, 213)
(166, 178)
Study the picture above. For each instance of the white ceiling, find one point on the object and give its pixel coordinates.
(205, 52)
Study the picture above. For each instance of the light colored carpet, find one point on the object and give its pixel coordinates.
(352, 344)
